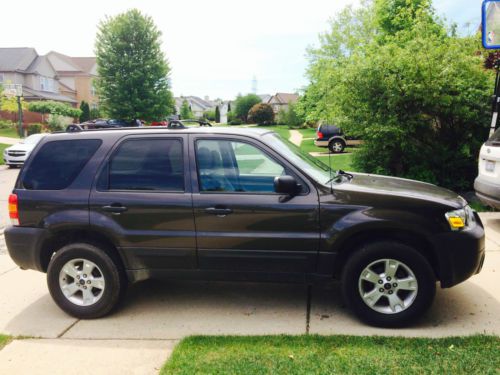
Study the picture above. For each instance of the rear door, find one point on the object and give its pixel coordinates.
(142, 197)
(242, 224)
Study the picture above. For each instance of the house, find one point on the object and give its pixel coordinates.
(281, 100)
(76, 76)
(35, 73)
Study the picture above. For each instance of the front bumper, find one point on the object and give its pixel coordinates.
(23, 245)
(460, 254)
(14, 160)
(487, 192)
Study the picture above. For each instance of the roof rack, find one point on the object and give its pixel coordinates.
(173, 124)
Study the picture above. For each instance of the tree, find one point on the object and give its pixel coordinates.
(243, 105)
(185, 111)
(290, 116)
(415, 92)
(262, 114)
(95, 113)
(133, 73)
(85, 108)
(217, 114)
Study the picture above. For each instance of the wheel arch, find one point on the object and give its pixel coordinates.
(415, 240)
(58, 239)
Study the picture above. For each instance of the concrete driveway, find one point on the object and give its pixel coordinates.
(155, 315)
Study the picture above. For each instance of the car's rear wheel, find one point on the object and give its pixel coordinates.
(388, 284)
(85, 281)
(336, 146)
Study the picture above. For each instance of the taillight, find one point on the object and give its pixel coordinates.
(320, 135)
(13, 211)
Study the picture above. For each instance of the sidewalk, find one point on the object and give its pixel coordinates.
(9, 140)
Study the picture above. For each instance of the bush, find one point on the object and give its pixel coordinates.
(243, 104)
(55, 123)
(232, 119)
(290, 117)
(54, 108)
(261, 114)
(85, 108)
(34, 128)
(209, 115)
(6, 124)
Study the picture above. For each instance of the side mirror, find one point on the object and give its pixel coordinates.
(286, 185)
(491, 24)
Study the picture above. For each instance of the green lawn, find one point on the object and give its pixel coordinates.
(9, 132)
(334, 355)
(2, 147)
(4, 340)
(340, 161)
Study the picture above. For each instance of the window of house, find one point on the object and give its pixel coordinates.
(146, 164)
(231, 166)
(1, 77)
(47, 84)
(93, 91)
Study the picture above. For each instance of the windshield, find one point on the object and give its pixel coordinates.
(312, 166)
(494, 139)
(33, 139)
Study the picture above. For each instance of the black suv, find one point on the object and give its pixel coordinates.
(333, 137)
(97, 210)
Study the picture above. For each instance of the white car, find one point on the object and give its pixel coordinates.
(17, 154)
(487, 184)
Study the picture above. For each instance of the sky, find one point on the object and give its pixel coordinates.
(214, 48)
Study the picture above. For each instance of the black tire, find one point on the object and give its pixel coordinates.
(112, 272)
(416, 262)
(336, 146)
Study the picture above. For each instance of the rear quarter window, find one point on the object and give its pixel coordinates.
(57, 164)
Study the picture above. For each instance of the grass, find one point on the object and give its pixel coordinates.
(480, 207)
(4, 340)
(9, 132)
(340, 161)
(2, 147)
(334, 355)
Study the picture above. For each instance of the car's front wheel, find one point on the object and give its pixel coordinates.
(388, 284)
(85, 281)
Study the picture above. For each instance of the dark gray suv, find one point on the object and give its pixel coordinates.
(97, 210)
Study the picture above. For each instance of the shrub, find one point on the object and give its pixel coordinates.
(209, 115)
(243, 104)
(6, 124)
(262, 114)
(290, 117)
(217, 115)
(34, 128)
(55, 123)
(84, 107)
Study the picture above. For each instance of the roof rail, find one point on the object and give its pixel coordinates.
(173, 124)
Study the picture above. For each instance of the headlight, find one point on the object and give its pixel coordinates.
(461, 219)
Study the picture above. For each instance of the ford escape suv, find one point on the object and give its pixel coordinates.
(97, 210)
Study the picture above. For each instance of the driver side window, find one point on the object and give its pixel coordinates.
(232, 166)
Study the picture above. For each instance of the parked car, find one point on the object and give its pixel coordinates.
(17, 154)
(332, 137)
(99, 210)
(487, 183)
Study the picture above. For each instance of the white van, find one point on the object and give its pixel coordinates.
(487, 184)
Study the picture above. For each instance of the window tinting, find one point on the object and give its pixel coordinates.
(58, 163)
(147, 164)
(230, 166)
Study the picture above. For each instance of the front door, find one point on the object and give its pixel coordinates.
(143, 198)
(242, 224)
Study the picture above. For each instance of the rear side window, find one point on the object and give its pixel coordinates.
(146, 164)
(58, 163)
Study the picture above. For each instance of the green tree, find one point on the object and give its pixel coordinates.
(185, 111)
(95, 113)
(415, 92)
(243, 105)
(262, 114)
(217, 114)
(85, 108)
(291, 116)
(133, 72)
